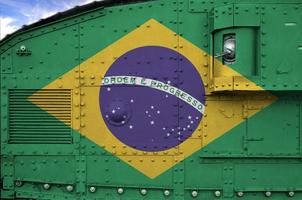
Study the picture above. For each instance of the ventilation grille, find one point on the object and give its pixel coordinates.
(29, 123)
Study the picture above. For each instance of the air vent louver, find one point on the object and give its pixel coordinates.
(30, 124)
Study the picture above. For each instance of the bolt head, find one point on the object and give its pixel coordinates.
(92, 189)
(291, 193)
(120, 190)
(46, 186)
(217, 193)
(143, 191)
(18, 183)
(166, 192)
(268, 194)
(240, 194)
(194, 193)
(69, 188)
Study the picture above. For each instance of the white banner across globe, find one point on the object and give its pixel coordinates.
(155, 84)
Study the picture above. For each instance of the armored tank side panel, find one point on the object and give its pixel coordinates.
(163, 99)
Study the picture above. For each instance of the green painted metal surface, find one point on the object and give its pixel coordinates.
(260, 158)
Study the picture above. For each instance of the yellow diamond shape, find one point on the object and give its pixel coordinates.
(221, 115)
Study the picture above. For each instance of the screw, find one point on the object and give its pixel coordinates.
(69, 188)
(217, 193)
(18, 183)
(268, 194)
(120, 190)
(46, 186)
(240, 194)
(194, 193)
(92, 189)
(166, 192)
(143, 191)
(291, 193)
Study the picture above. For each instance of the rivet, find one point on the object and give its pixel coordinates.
(18, 183)
(69, 188)
(268, 194)
(194, 193)
(120, 190)
(291, 193)
(46, 186)
(92, 189)
(166, 192)
(143, 191)
(240, 194)
(217, 193)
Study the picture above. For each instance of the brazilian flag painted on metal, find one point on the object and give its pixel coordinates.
(144, 99)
